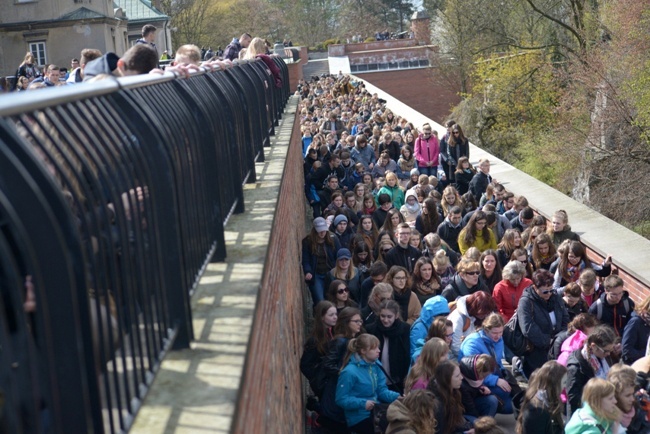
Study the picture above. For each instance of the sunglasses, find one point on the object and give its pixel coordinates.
(472, 273)
(455, 133)
(548, 292)
(343, 291)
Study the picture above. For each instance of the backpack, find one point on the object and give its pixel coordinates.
(599, 307)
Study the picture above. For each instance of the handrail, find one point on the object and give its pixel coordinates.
(113, 198)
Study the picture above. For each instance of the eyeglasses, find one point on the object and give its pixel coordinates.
(399, 278)
(549, 291)
(356, 321)
(450, 335)
(604, 351)
(472, 273)
(343, 290)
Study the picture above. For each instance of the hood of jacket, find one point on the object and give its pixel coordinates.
(467, 367)
(574, 342)
(433, 307)
(461, 305)
(397, 411)
(102, 65)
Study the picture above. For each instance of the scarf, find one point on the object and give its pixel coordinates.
(427, 288)
(600, 366)
(412, 208)
(626, 418)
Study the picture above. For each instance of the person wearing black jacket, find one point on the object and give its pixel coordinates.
(465, 282)
(394, 344)
(403, 254)
(588, 362)
(541, 413)
(450, 228)
(481, 180)
(542, 315)
(615, 306)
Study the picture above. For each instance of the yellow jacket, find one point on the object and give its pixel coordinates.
(479, 243)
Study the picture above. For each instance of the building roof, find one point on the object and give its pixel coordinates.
(140, 10)
(81, 14)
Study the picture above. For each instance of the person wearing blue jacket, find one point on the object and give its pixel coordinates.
(432, 308)
(362, 384)
(489, 340)
(636, 333)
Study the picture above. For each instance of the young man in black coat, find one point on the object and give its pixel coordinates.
(403, 254)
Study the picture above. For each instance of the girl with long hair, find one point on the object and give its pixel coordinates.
(345, 271)
(544, 252)
(393, 218)
(368, 230)
(573, 261)
(413, 414)
(490, 269)
(452, 148)
(464, 174)
(444, 270)
(348, 326)
(379, 293)
(398, 277)
(450, 198)
(449, 406)
(426, 282)
(541, 409)
(339, 295)
(477, 234)
(394, 343)
(434, 351)
(319, 250)
(325, 316)
(510, 242)
(427, 222)
(362, 379)
(362, 259)
(599, 413)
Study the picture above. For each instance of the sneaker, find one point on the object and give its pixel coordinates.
(516, 366)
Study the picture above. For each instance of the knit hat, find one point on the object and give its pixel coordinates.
(340, 218)
(343, 254)
(320, 224)
(415, 171)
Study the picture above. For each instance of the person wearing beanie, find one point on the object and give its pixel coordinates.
(319, 251)
(345, 271)
(342, 230)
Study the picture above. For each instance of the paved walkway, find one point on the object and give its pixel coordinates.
(196, 389)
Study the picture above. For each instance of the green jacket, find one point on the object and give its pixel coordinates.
(585, 421)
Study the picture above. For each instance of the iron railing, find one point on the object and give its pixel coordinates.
(113, 199)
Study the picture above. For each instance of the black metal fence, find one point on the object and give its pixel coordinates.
(113, 199)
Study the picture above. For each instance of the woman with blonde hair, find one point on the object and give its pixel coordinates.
(28, 69)
(450, 198)
(393, 189)
(599, 413)
(257, 49)
(435, 350)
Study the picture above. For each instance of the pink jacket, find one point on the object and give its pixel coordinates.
(572, 343)
(427, 150)
(420, 383)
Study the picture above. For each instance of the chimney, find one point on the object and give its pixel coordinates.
(420, 26)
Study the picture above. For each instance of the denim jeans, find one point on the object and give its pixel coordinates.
(317, 288)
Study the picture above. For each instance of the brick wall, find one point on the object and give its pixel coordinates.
(271, 399)
(418, 89)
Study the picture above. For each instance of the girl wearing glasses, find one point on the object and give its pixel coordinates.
(477, 234)
(592, 360)
(394, 344)
(409, 304)
(542, 315)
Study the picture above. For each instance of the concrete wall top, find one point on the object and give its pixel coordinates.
(630, 251)
(342, 49)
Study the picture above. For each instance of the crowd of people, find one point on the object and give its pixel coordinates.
(142, 58)
(428, 278)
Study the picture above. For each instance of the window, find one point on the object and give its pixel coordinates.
(38, 50)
